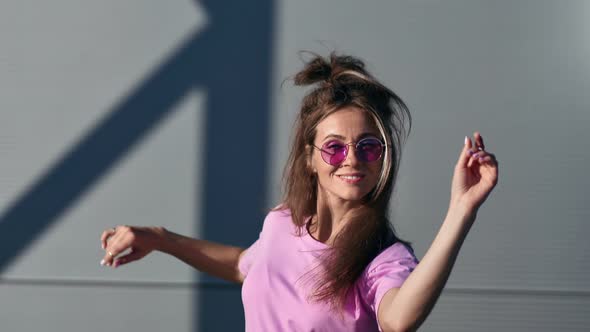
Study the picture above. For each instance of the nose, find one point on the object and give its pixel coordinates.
(351, 158)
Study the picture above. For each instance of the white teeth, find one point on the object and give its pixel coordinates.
(350, 177)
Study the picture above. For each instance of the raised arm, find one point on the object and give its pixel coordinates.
(125, 244)
(476, 174)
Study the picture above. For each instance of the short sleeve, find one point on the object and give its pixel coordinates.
(252, 252)
(248, 258)
(388, 270)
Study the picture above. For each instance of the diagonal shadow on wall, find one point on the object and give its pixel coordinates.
(232, 61)
(238, 112)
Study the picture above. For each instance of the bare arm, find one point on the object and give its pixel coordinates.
(213, 258)
(405, 309)
(475, 175)
(126, 244)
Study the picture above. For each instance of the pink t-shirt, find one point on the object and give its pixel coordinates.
(276, 298)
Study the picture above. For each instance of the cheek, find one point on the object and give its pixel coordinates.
(324, 172)
(375, 171)
(376, 168)
(318, 164)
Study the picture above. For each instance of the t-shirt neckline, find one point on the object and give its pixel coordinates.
(309, 239)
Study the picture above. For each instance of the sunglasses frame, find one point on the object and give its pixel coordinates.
(347, 150)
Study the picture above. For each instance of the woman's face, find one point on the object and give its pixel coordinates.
(353, 178)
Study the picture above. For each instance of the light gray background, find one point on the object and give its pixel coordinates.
(518, 71)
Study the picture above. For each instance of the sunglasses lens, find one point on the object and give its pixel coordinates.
(334, 152)
(369, 149)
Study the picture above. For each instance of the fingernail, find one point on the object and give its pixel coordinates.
(470, 152)
(475, 156)
(116, 264)
(102, 262)
(466, 139)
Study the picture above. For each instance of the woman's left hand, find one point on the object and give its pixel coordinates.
(475, 175)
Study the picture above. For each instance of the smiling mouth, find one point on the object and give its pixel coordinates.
(351, 178)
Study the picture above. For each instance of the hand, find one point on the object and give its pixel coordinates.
(476, 174)
(125, 244)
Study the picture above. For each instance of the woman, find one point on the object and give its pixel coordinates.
(327, 258)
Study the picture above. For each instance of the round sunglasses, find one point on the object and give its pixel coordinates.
(368, 149)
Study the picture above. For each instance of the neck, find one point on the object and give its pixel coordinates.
(329, 220)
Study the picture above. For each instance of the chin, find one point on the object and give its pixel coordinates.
(354, 196)
(346, 193)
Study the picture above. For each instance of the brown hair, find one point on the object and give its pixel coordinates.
(337, 82)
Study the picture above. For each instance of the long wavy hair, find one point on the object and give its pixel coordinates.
(337, 82)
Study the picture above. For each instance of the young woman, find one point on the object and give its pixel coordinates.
(327, 258)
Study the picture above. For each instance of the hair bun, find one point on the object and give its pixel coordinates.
(315, 70)
(334, 69)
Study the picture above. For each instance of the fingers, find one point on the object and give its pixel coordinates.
(478, 141)
(104, 237)
(107, 259)
(481, 157)
(465, 156)
(116, 242)
(474, 152)
(128, 258)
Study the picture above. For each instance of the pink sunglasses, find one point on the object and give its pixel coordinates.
(334, 152)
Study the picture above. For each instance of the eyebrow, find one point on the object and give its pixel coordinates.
(340, 137)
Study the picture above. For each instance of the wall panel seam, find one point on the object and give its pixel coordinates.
(82, 282)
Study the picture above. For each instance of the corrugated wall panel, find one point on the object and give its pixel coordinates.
(518, 71)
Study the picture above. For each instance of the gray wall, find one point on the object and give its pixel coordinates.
(115, 113)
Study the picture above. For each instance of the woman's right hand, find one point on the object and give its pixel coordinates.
(125, 244)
